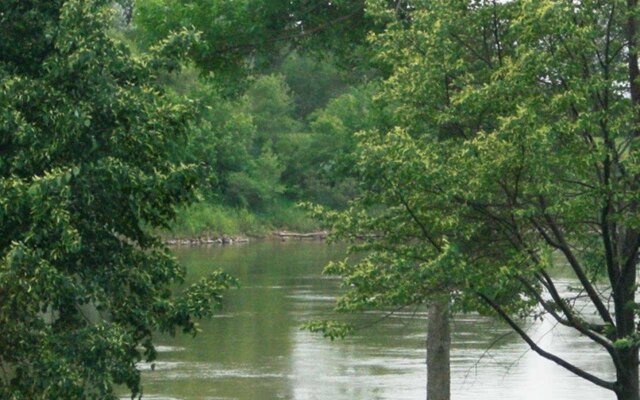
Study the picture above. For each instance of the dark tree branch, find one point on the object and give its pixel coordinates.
(561, 244)
(572, 320)
(534, 346)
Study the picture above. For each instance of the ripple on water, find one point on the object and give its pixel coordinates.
(165, 370)
(169, 349)
(158, 365)
(312, 297)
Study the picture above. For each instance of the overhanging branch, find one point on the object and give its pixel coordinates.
(534, 346)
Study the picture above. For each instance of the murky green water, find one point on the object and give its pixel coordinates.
(255, 349)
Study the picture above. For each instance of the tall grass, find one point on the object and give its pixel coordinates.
(215, 220)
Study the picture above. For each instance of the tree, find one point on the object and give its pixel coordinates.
(515, 152)
(313, 79)
(258, 185)
(269, 102)
(320, 163)
(221, 139)
(85, 137)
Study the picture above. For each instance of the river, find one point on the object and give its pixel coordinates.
(255, 350)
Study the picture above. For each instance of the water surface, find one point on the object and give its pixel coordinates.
(255, 350)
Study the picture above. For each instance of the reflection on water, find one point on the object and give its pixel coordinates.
(255, 349)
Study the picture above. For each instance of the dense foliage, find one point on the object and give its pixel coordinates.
(279, 141)
(263, 71)
(85, 138)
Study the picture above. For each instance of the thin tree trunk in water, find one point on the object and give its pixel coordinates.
(627, 372)
(624, 295)
(628, 377)
(438, 348)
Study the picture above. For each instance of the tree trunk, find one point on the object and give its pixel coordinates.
(627, 373)
(438, 348)
(624, 294)
(628, 388)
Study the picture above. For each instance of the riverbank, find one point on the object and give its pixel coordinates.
(226, 240)
(210, 224)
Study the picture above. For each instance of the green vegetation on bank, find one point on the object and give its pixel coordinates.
(280, 141)
(215, 220)
(276, 118)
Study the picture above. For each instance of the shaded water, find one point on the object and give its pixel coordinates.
(254, 350)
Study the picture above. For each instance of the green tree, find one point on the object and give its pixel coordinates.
(258, 185)
(232, 140)
(85, 138)
(270, 103)
(319, 163)
(313, 79)
(515, 153)
(221, 139)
